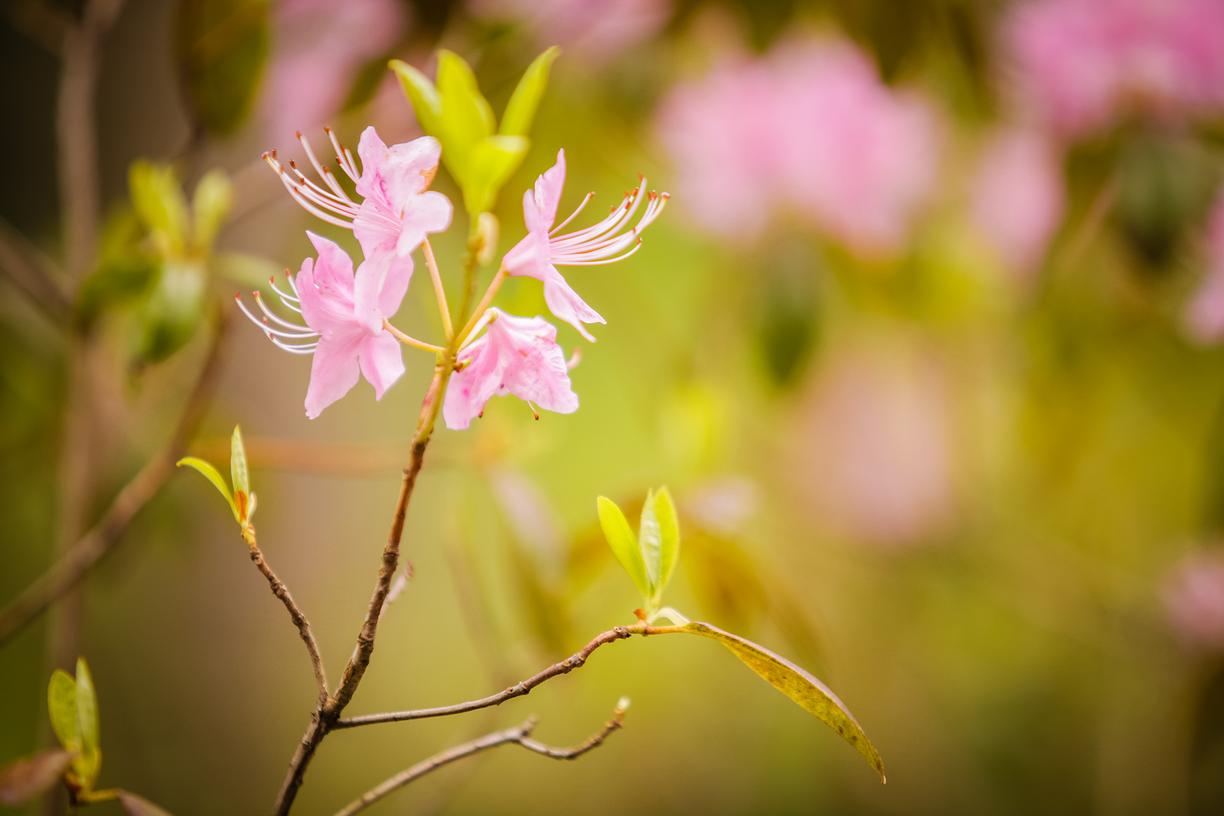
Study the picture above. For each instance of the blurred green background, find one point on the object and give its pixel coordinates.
(944, 431)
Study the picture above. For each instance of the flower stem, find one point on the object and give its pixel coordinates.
(409, 340)
(485, 301)
(439, 291)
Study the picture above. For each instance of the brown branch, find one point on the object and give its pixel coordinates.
(88, 550)
(326, 715)
(296, 615)
(519, 689)
(518, 735)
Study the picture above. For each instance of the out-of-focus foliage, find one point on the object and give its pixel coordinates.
(222, 52)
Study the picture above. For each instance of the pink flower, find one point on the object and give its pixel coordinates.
(397, 209)
(541, 251)
(1194, 600)
(345, 316)
(1204, 315)
(808, 129)
(1018, 197)
(516, 355)
(1081, 65)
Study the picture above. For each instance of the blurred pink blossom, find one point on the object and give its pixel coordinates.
(1204, 315)
(875, 446)
(1194, 600)
(808, 128)
(317, 48)
(593, 31)
(1080, 65)
(1018, 197)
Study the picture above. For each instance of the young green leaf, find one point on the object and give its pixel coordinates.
(623, 543)
(160, 205)
(466, 116)
(240, 476)
(89, 764)
(650, 542)
(213, 475)
(493, 161)
(210, 204)
(804, 689)
(23, 780)
(421, 94)
(521, 108)
(669, 538)
(62, 707)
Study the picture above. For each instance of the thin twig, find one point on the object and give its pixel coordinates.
(518, 735)
(41, 22)
(325, 716)
(102, 537)
(519, 689)
(22, 265)
(296, 615)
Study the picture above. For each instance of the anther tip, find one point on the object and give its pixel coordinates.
(238, 296)
(297, 134)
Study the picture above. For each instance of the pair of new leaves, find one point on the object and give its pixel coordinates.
(479, 154)
(240, 499)
(72, 705)
(650, 556)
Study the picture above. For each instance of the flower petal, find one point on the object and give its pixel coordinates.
(540, 210)
(333, 373)
(325, 287)
(374, 154)
(536, 369)
(473, 385)
(425, 213)
(382, 362)
(565, 303)
(409, 169)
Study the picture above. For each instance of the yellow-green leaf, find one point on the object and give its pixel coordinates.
(160, 205)
(466, 116)
(240, 476)
(25, 779)
(493, 161)
(62, 707)
(804, 689)
(210, 204)
(668, 525)
(214, 476)
(521, 108)
(421, 94)
(89, 764)
(623, 543)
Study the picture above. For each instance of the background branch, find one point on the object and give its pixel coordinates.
(89, 549)
(518, 735)
(519, 689)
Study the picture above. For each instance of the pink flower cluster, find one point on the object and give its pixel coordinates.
(810, 129)
(346, 312)
(1081, 65)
